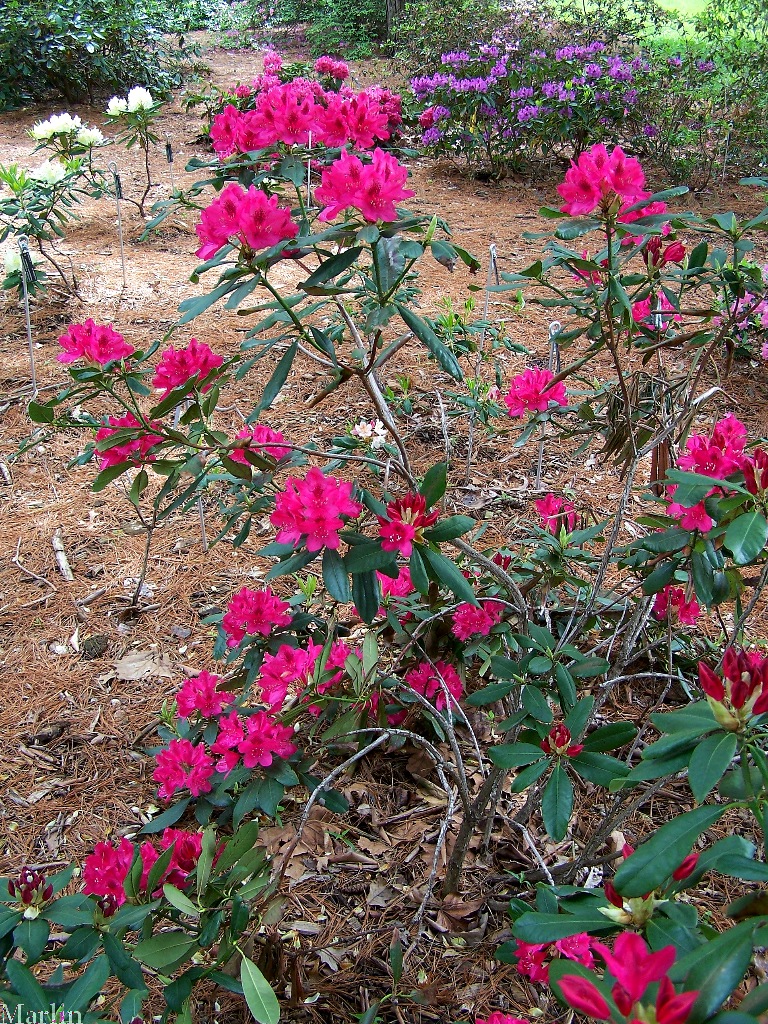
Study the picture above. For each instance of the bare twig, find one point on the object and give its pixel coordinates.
(27, 572)
(57, 543)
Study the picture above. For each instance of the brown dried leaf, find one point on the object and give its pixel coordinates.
(139, 664)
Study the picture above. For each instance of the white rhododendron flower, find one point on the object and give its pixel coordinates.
(64, 124)
(116, 106)
(12, 260)
(42, 131)
(50, 172)
(139, 99)
(372, 431)
(89, 137)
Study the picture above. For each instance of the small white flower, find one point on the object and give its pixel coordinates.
(64, 124)
(363, 430)
(379, 434)
(50, 172)
(117, 106)
(89, 137)
(139, 99)
(42, 131)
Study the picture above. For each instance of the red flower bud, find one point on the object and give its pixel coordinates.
(612, 896)
(687, 867)
(674, 253)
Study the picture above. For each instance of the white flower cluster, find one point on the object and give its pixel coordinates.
(137, 99)
(66, 124)
(372, 431)
(49, 172)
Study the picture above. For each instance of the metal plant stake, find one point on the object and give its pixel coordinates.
(28, 276)
(118, 196)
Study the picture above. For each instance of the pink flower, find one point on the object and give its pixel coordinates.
(135, 449)
(531, 958)
(372, 189)
(105, 870)
(291, 111)
(177, 366)
(183, 765)
(262, 441)
(529, 392)
(755, 469)
(95, 343)
(694, 517)
(556, 514)
(264, 739)
(497, 1017)
(366, 122)
(432, 681)
(273, 62)
(742, 691)
(404, 523)
(228, 740)
(224, 131)
(584, 997)
(337, 69)
(254, 612)
(475, 620)
(280, 671)
(686, 868)
(598, 175)
(671, 601)
(633, 967)
(672, 1008)
(199, 694)
(312, 508)
(400, 587)
(642, 313)
(558, 741)
(253, 217)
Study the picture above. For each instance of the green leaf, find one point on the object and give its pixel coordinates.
(427, 336)
(335, 576)
(557, 803)
(366, 557)
(589, 667)
(715, 970)
(694, 487)
(529, 775)
(536, 927)
(87, 986)
(32, 937)
(366, 594)
(261, 1000)
(434, 483)
(332, 267)
(609, 737)
(106, 476)
(655, 860)
(575, 227)
(241, 842)
(446, 572)
(709, 762)
(515, 755)
(396, 957)
(419, 576)
(205, 860)
(40, 413)
(599, 769)
(166, 819)
(123, 965)
(26, 987)
(448, 529)
(489, 694)
(746, 536)
(278, 378)
(164, 950)
(159, 868)
(180, 900)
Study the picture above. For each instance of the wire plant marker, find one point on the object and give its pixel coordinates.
(118, 196)
(28, 276)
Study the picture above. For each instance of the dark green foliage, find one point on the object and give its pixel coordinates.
(82, 49)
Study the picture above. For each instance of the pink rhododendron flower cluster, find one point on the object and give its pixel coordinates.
(313, 508)
(556, 513)
(646, 313)
(254, 219)
(534, 958)
(337, 69)
(179, 365)
(105, 870)
(598, 175)
(254, 612)
(262, 440)
(432, 681)
(200, 695)
(288, 112)
(373, 188)
(475, 620)
(183, 765)
(671, 602)
(95, 343)
(740, 691)
(718, 455)
(529, 391)
(404, 523)
(135, 450)
(291, 668)
(635, 968)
